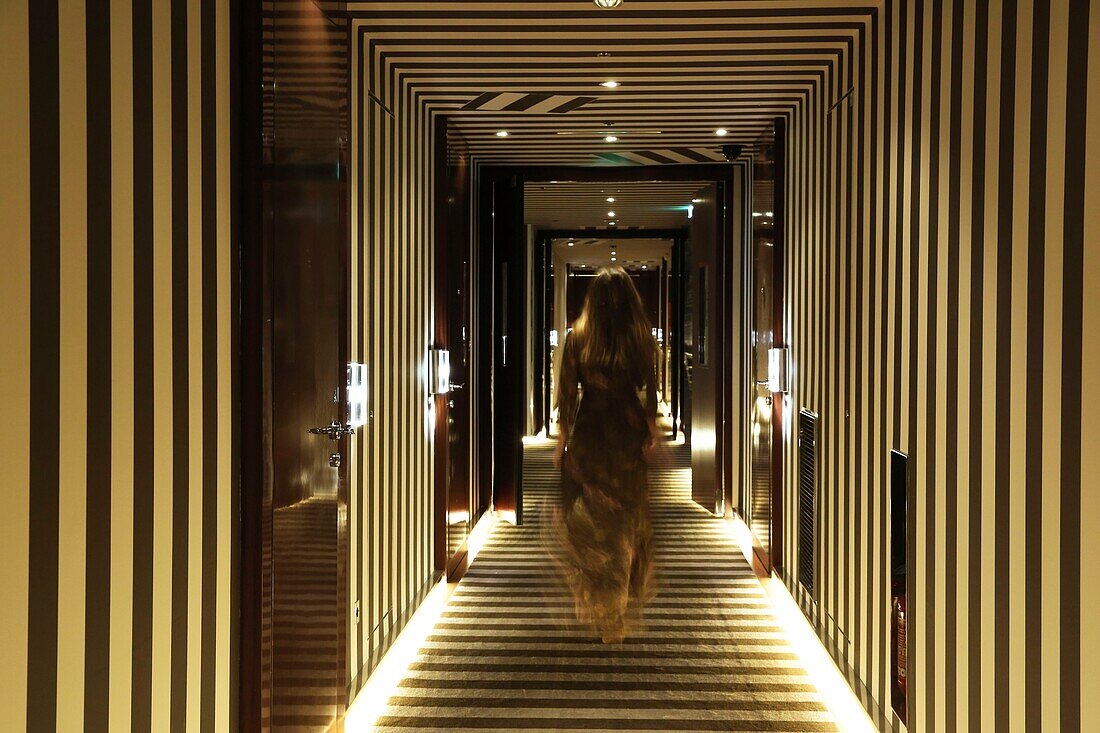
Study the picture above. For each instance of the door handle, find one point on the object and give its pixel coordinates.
(335, 431)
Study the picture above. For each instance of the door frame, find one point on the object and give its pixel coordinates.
(730, 451)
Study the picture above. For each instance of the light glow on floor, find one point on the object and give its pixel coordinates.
(373, 700)
(834, 690)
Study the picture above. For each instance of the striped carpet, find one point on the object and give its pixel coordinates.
(506, 654)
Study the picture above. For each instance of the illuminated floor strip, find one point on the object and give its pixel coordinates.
(502, 652)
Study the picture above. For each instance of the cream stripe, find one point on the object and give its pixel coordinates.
(14, 359)
(1017, 551)
(224, 682)
(73, 417)
(122, 366)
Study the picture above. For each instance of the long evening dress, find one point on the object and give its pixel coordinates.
(604, 533)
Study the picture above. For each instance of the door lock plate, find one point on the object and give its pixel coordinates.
(334, 460)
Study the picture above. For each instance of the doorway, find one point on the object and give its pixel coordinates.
(764, 511)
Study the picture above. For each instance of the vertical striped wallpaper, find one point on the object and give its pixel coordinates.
(943, 236)
(392, 265)
(117, 288)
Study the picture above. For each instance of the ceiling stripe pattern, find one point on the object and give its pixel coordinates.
(684, 70)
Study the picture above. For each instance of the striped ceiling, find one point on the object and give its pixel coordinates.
(570, 205)
(534, 69)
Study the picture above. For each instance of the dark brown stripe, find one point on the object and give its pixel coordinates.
(181, 488)
(976, 566)
(476, 103)
(438, 722)
(142, 654)
(575, 103)
(45, 352)
(97, 588)
(914, 627)
(527, 102)
(210, 375)
(1004, 428)
(1072, 335)
(1036, 353)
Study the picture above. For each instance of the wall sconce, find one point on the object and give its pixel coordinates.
(778, 369)
(439, 371)
(357, 394)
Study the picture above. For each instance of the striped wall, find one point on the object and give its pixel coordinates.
(392, 261)
(117, 529)
(944, 244)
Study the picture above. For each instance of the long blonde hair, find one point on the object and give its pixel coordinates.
(613, 330)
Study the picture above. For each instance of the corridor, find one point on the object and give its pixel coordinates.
(507, 655)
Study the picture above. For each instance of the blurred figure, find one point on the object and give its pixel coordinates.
(608, 410)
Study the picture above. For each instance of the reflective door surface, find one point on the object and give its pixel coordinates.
(765, 429)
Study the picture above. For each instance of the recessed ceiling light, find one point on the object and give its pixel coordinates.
(697, 201)
(608, 3)
(610, 199)
(611, 223)
(611, 214)
(721, 132)
(609, 84)
(643, 267)
(502, 133)
(571, 244)
(614, 252)
(614, 259)
(611, 139)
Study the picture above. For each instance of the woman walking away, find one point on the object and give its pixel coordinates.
(608, 409)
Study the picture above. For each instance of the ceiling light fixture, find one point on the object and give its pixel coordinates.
(605, 4)
(611, 215)
(502, 133)
(610, 199)
(611, 223)
(643, 267)
(697, 201)
(610, 84)
(614, 252)
(571, 244)
(611, 139)
(614, 259)
(721, 132)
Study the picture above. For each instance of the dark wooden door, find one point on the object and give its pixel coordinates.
(702, 277)
(504, 245)
(457, 507)
(766, 416)
(308, 495)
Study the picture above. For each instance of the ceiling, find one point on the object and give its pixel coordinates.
(641, 204)
(534, 69)
(632, 254)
